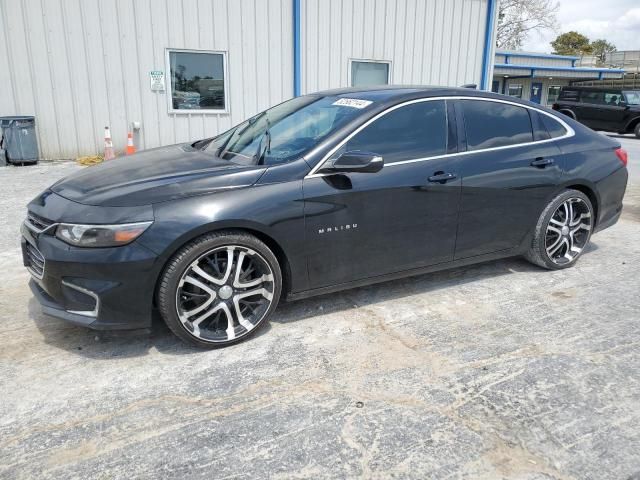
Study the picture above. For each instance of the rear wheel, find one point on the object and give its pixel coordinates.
(219, 289)
(637, 130)
(563, 231)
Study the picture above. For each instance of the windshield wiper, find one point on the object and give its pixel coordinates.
(252, 122)
(201, 144)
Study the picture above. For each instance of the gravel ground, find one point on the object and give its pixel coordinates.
(499, 370)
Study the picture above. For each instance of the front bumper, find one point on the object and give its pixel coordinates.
(100, 288)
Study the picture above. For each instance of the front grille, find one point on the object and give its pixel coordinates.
(35, 260)
(37, 223)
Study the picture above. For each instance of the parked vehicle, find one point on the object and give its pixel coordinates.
(602, 108)
(321, 193)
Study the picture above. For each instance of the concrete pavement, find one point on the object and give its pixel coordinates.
(499, 370)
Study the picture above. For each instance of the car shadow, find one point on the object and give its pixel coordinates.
(621, 135)
(106, 345)
(397, 289)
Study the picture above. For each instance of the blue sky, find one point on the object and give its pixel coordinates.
(617, 21)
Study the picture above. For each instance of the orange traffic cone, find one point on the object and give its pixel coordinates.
(131, 149)
(108, 145)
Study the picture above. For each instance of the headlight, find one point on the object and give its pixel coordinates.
(100, 235)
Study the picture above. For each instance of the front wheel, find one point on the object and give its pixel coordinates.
(637, 130)
(563, 231)
(219, 289)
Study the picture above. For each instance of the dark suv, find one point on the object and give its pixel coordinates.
(600, 108)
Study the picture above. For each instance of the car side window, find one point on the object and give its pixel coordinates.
(612, 98)
(569, 95)
(553, 126)
(413, 131)
(493, 124)
(595, 98)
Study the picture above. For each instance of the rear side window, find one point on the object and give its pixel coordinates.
(595, 98)
(553, 126)
(539, 130)
(569, 95)
(493, 124)
(415, 131)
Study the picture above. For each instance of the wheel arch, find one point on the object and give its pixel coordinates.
(632, 124)
(591, 194)
(568, 112)
(257, 230)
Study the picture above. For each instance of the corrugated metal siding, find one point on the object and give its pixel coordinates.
(434, 42)
(78, 65)
(542, 62)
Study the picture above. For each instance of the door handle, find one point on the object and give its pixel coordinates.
(442, 177)
(542, 162)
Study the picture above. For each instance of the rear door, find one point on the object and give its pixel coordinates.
(591, 108)
(361, 225)
(507, 176)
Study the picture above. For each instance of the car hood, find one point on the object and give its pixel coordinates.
(155, 175)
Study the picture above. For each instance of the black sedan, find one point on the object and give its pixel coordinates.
(321, 193)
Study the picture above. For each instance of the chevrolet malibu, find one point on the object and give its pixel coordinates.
(321, 193)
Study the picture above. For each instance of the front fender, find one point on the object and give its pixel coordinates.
(276, 211)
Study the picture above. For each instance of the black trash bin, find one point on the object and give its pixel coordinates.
(19, 140)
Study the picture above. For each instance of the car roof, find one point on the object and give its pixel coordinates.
(599, 88)
(390, 94)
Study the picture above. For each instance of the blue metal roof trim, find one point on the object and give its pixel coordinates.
(296, 49)
(537, 55)
(562, 69)
(486, 55)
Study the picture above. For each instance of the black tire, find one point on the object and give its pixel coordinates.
(187, 281)
(636, 130)
(571, 240)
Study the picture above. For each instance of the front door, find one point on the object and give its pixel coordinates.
(613, 112)
(504, 185)
(536, 92)
(361, 225)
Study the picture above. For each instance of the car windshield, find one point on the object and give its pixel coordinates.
(632, 97)
(287, 131)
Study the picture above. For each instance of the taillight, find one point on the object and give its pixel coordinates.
(622, 155)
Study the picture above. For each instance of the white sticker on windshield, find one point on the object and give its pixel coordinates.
(352, 102)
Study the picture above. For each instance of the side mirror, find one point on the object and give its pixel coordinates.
(354, 162)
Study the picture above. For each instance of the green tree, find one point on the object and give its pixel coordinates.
(600, 48)
(571, 43)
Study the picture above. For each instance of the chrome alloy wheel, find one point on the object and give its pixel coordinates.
(568, 231)
(225, 293)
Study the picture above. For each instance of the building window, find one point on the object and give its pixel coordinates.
(369, 72)
(552, 94)
(515, 90)
(197, 81)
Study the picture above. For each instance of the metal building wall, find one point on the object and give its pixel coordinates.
(539, 61)
(432, 42)
(79, 65)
